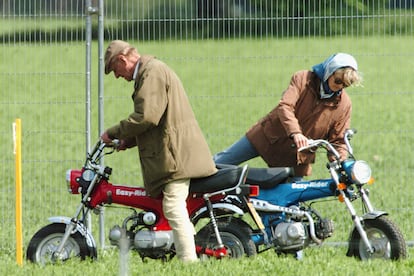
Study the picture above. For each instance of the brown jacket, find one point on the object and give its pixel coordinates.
(170, 142)
(301, 111)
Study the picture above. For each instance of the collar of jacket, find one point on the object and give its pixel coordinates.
(143, 61)
(314, 86)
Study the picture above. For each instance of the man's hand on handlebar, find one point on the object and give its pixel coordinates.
(118, 145)
(105, 138)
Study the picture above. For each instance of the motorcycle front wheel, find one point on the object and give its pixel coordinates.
(235, 237)
(385, 238)
(45, 242)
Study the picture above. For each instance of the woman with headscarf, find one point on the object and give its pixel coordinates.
(314, 106)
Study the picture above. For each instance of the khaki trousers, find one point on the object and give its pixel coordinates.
(175, 210)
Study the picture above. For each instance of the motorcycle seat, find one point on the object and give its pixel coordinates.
(267, 178)
(225, 177)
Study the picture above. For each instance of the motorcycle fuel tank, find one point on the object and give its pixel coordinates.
(288, 194)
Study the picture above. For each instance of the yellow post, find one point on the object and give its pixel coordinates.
(17, 139)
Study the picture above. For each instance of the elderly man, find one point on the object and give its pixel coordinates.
(171, 146)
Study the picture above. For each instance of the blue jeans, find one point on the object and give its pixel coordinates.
(237, 153)
(240, 152)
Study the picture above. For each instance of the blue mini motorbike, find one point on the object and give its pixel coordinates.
(287, 222)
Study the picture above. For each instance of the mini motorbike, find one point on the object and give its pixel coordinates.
(289, 223)
(146, 230)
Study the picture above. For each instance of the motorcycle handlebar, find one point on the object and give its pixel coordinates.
(328, 146)
(115, 143)
(312, 144)
(318, 143)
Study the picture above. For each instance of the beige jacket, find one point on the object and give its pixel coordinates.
(170, 142)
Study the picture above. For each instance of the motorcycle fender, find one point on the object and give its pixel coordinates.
(374, 215)
(82, 229)
(352, 245)
(230, 208)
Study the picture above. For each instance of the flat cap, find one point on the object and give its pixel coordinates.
(115, 48)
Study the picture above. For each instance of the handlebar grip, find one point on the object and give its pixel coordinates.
(116, 143)
(310, 142)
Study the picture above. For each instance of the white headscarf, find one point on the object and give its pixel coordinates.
(325, 69)
(338, 61)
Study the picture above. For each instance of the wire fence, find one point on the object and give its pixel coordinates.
(43, 76)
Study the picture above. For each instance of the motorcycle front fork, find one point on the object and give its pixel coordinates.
(57, 255)
(70, 227)
(357, 220)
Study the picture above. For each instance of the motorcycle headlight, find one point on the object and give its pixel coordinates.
(361, 172)
(71, 180)
(88, 175)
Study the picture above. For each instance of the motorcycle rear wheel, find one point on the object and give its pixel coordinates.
(235, 237)
(385, 237)
(45, 242)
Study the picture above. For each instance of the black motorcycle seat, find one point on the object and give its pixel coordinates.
(267, 178)
(224, 178)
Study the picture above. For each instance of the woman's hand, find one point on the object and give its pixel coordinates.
(300, 140)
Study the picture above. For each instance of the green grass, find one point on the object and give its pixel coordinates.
(325, 260)
(231, 84)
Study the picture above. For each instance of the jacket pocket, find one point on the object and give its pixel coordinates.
(157, 160)
(270, 132)
(305, 158)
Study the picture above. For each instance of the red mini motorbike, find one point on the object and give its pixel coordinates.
(147, 230)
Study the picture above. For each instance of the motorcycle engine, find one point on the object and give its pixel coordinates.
(324, 228)
(147, 239)
(152, 244)
(290, 235)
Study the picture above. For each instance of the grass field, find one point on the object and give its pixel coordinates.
(231, 84)
(325, 260)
